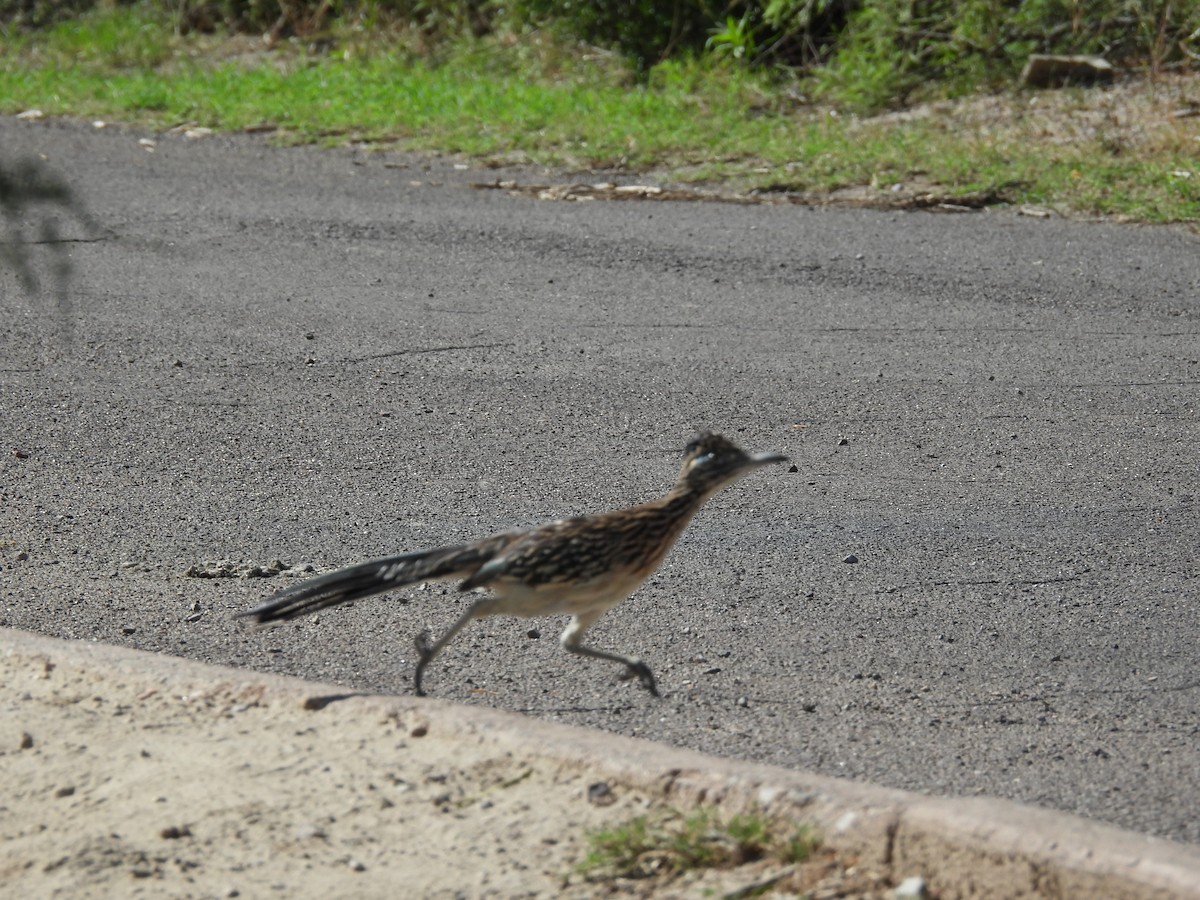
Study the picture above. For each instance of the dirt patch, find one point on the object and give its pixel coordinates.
(132, 774)
(1138, 114)
(913, 195)
(132, 786)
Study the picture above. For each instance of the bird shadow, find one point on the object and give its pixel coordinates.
(316, 703)
(612, 709)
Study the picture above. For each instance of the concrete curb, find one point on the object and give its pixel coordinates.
(963, 847)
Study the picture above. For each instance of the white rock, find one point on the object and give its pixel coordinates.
(910, 889)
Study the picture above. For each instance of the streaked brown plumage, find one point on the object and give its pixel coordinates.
(580, 567)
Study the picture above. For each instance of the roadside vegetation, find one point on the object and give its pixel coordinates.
(706, 853)
(878, 102)
(676, 843)
(665, 846)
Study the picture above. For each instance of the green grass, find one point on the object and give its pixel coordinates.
(672, 844)
(527, 99)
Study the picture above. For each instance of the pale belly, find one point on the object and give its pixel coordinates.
(517, 599)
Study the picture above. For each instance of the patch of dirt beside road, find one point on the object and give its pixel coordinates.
(119, 786)
(121, 783)
(132, 774)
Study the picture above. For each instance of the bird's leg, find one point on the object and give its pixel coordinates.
(634, 667)
(424, 655)
(426, 652)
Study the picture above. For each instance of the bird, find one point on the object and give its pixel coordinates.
(582, 566)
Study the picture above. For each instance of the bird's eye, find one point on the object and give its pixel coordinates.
(703, 459)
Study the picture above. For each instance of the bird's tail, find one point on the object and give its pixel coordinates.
(374, 577)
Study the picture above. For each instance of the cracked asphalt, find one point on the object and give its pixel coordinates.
(322, 356)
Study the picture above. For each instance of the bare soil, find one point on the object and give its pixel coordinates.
(119, 784)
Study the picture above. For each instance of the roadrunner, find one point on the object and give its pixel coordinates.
(580, 567)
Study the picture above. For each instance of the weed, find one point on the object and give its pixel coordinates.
(735, 39)
(673, 843)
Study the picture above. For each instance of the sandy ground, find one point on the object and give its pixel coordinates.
(122, 787)
(120, 784)
(127, 773)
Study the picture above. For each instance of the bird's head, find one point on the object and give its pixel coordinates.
(711, 461)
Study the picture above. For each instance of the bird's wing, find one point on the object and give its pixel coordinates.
(565, 550)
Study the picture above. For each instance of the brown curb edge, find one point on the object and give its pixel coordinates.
(963, 847)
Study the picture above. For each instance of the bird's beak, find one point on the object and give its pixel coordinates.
(762, 459)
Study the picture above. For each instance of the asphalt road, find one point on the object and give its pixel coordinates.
(328, 355)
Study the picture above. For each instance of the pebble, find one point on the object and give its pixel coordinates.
(601, 794)
(308, 831)
(911, 889)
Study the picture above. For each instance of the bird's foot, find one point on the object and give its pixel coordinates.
(642, 673)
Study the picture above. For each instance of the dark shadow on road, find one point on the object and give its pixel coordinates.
(33, 201)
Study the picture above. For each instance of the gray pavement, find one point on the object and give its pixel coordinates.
(327, 355)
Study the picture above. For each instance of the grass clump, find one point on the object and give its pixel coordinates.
(673, 844)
